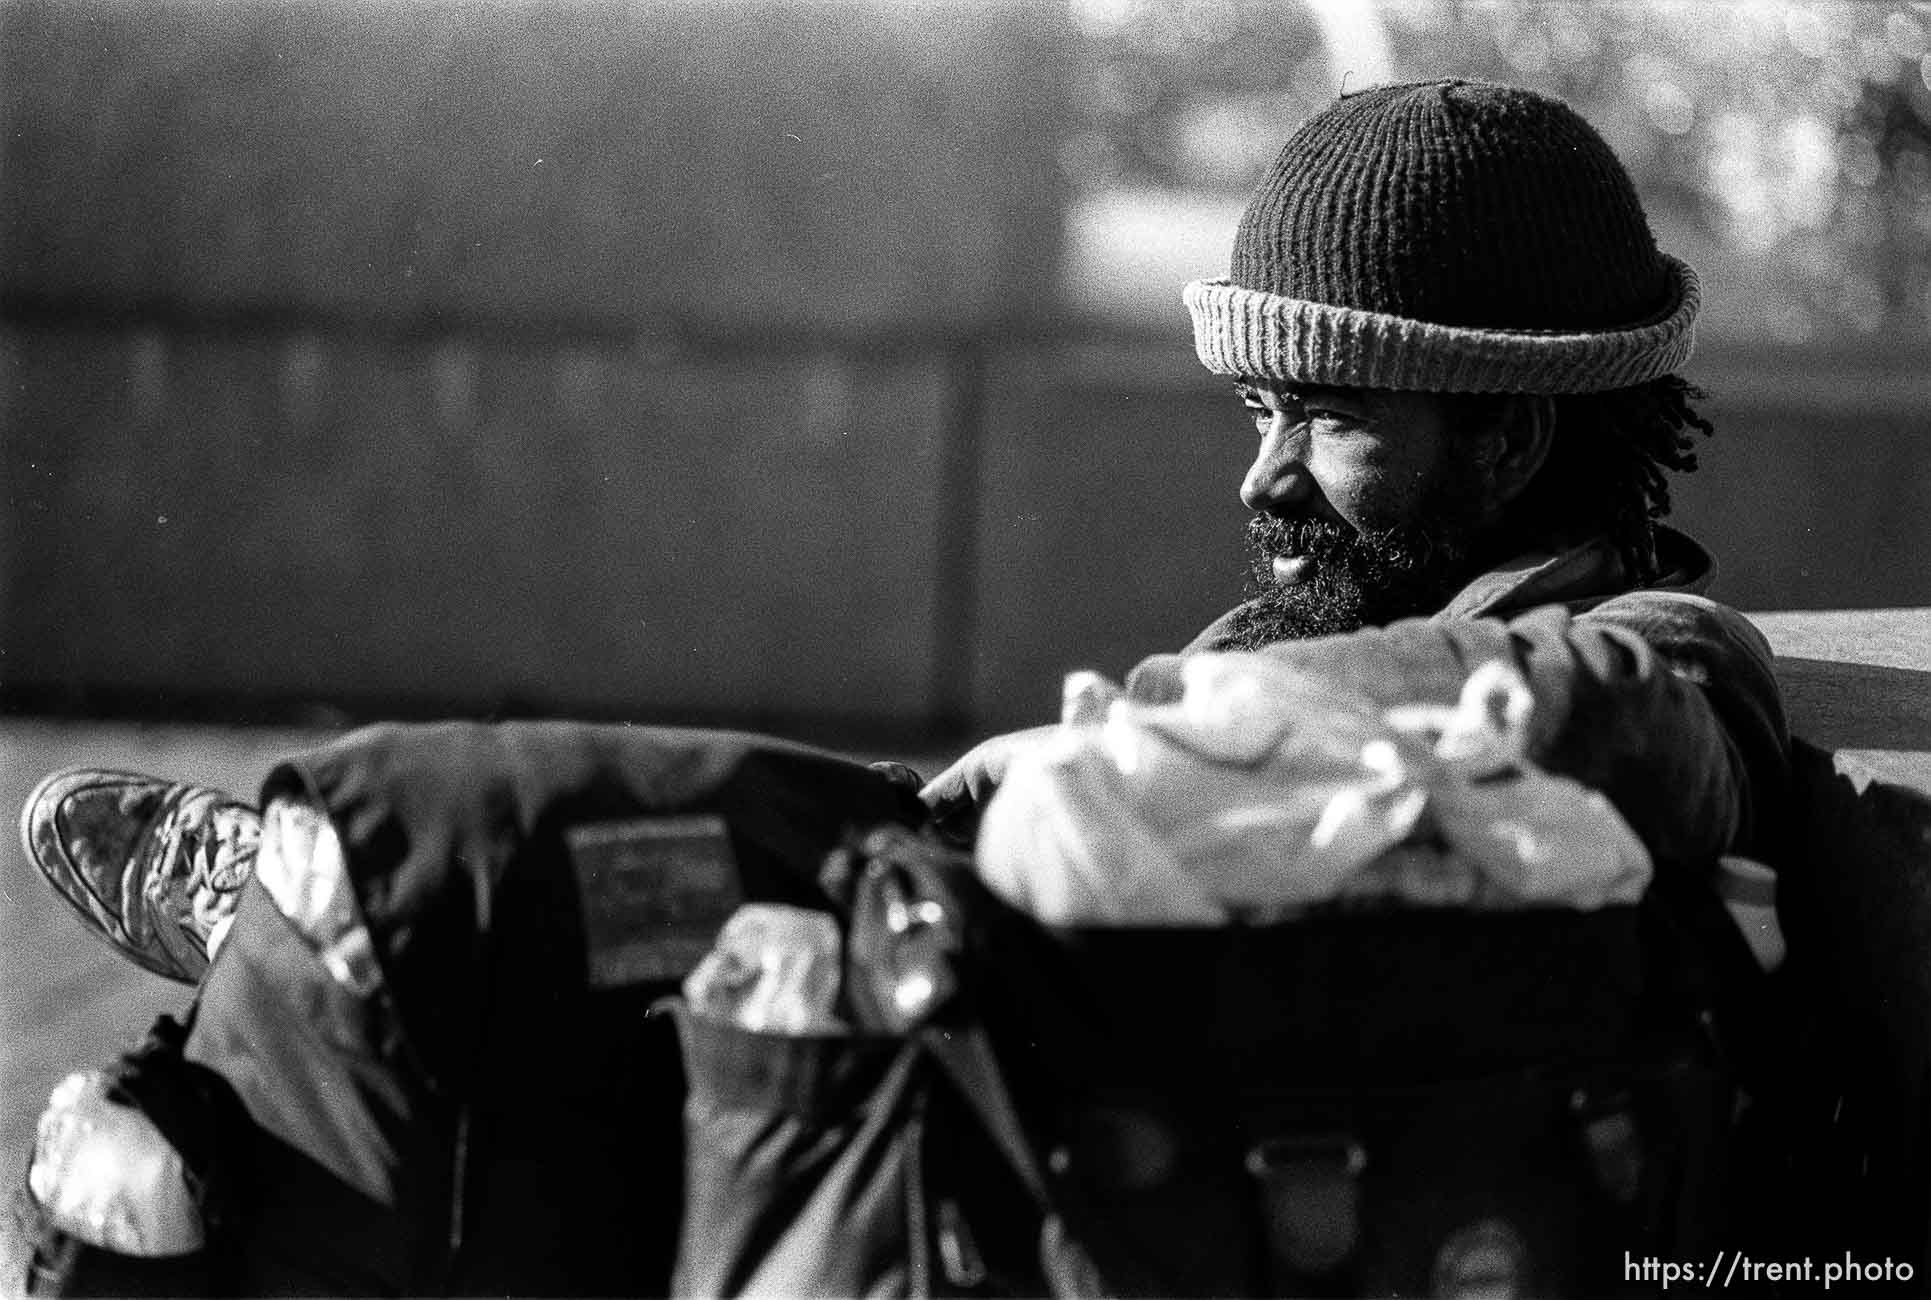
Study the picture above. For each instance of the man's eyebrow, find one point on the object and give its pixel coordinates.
(1326, 395)
(1346, 400)
(1253, 390)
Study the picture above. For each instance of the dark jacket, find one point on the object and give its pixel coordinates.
(1657, 695)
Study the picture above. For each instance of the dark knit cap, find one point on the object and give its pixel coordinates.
(1449, 236)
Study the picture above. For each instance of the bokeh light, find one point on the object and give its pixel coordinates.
(1783, 148)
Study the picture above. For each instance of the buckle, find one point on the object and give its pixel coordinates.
(1310, 1194)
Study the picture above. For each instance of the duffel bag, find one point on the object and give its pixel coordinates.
(1388, 1102)
(429, 1027)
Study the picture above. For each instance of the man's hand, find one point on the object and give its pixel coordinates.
(959, 794)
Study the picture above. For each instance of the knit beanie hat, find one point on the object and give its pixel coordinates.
(1447, 236)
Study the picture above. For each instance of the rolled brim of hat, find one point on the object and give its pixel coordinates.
(1247, 333)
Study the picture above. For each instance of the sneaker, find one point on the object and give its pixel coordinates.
(155, 867)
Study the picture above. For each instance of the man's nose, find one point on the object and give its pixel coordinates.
(1278, 477)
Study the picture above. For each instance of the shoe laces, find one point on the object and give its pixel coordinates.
(207, 849)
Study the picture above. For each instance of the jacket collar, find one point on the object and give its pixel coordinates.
(1579, 578)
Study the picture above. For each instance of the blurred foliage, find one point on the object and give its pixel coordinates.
(1784, 149)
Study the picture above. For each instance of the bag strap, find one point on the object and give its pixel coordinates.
(964, 1054)
(1713, 969)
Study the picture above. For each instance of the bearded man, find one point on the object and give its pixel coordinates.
(1457, 339)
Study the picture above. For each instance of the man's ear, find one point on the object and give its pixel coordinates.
(1523, 437)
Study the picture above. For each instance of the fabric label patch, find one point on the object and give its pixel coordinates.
(655, 891)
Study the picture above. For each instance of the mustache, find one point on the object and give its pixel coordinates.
(1376, 559)
(1268, 536)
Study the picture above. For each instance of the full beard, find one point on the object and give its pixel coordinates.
(1359, 578)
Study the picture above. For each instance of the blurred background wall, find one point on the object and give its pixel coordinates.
(807, 365)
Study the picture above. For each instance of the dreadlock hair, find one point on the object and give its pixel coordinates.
(1607, 471)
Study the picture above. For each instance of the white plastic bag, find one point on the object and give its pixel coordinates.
(1261, 791)
(104, 1174)
(775, 969)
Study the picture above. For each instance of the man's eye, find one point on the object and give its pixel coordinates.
(1260, 415)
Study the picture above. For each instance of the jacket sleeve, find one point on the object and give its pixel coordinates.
(1665, 702)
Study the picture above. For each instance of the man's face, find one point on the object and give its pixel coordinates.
(1368, 504)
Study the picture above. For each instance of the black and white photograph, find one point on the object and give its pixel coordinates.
(901, 648)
